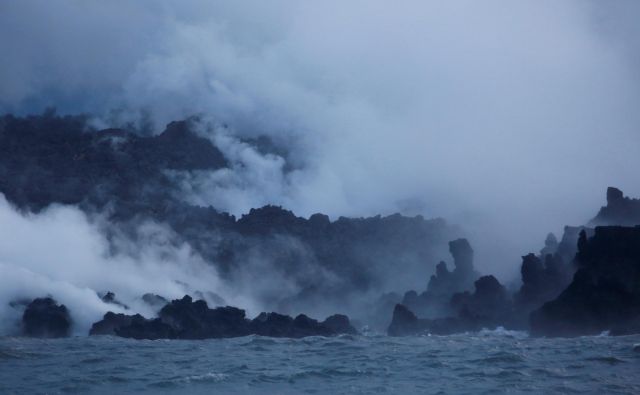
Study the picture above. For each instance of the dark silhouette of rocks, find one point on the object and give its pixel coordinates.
(406, 323)
(141, 328)
(550, 245)
(489, 306)
(49, 159)
(339, 323)
(440, 283)
(462, 253)
(600, 296)
(489, 302)
(194, 320)
(44, 317)
(604, 294)
(435, 301)
(568, 245)
(112, 321)
(278, 325)
(620, 210)
(128, 176)
(546, 275)
(444, 282)
(188, 319)
(542, 280)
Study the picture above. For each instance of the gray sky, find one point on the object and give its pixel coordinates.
(510, 118)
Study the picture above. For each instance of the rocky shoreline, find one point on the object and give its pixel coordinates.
(181, 319)
(587, 284)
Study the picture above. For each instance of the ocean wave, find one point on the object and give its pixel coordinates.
(210, 376)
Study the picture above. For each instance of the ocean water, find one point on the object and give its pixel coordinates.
(483, 363)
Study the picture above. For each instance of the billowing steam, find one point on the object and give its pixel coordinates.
(61, 253)
(507, 118)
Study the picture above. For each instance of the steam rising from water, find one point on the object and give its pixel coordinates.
(510, 119)
(61, 253)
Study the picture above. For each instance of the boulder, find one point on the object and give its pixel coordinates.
(405, 322)
(44, 317)
(339, 323)
(112, 321)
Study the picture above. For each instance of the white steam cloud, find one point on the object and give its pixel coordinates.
(508, 118)
(61, 253)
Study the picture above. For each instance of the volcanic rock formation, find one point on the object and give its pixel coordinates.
(188, 319)
(44, 317)
(605, 291)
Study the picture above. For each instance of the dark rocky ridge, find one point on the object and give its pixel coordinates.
(188, 319)
(620, 210)
(605, 291)
(50, 159)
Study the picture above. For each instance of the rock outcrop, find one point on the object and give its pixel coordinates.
(542, 280)
(489, 306)
(128, 177)
(44, 317)
(406, 323)
(435, 301)
(50, 159)
(620, 210)
(605, 291)
(188, 319)
(546, 275)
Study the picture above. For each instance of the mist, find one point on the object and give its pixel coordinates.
(507, 119)
(63, 253)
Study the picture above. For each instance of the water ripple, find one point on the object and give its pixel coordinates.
(486, 362)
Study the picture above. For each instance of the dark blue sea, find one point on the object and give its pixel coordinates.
(491, 362)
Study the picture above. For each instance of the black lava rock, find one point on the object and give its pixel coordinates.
(188, 319)
(620, 210)
(604, 294)
(405, 322)
(44, 317)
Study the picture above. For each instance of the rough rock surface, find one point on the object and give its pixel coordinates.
(130, 177)
(188, 319)
(489, 306)
(435, 301)
(620, 210)
(605, 291)
(44, 317)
